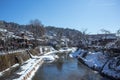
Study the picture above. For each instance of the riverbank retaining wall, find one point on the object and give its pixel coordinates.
(8, 60)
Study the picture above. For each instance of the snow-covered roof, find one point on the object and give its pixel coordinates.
(17, 37)
(3, 30)
(102, 36)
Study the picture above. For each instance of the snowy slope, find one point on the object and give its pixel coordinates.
(100, 62)
(96, 60)
(76, 53)
(112, 68)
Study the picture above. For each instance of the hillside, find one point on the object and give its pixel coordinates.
(73, 35)
(38, 30)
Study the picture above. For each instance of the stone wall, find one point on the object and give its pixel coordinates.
(9, 60)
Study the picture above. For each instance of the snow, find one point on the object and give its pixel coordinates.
(30, 65)
(76, 53)
(70, 55)
(48, 58)
(3, 30)
(40, 49)
(100, 62)
(96, 60)
(64, 50)
(2, 72)
(111, 69)
(27, 64)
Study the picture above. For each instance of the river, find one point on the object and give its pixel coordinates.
(66, 68)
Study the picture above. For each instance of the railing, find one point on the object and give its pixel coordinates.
(12, 51)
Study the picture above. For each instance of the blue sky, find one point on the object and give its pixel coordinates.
(76, 14)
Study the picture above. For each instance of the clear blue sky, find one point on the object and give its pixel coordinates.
(76, 14)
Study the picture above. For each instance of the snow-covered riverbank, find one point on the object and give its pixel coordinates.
(28, 69)
(6, 70)
(100, 62)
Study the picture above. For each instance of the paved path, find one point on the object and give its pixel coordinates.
(12, 51)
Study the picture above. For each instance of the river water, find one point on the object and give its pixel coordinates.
(66, 68)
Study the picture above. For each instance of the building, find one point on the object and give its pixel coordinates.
(101, 39)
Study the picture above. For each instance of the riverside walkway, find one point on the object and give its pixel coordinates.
(12, 51)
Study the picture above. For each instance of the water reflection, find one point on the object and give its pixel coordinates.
(59, 65)
(66, 68)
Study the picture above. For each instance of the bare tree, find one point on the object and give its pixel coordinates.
(105, 31)
(104, 37)
(37, 29)
(36, 22)
(118, 33)
(84, 38)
